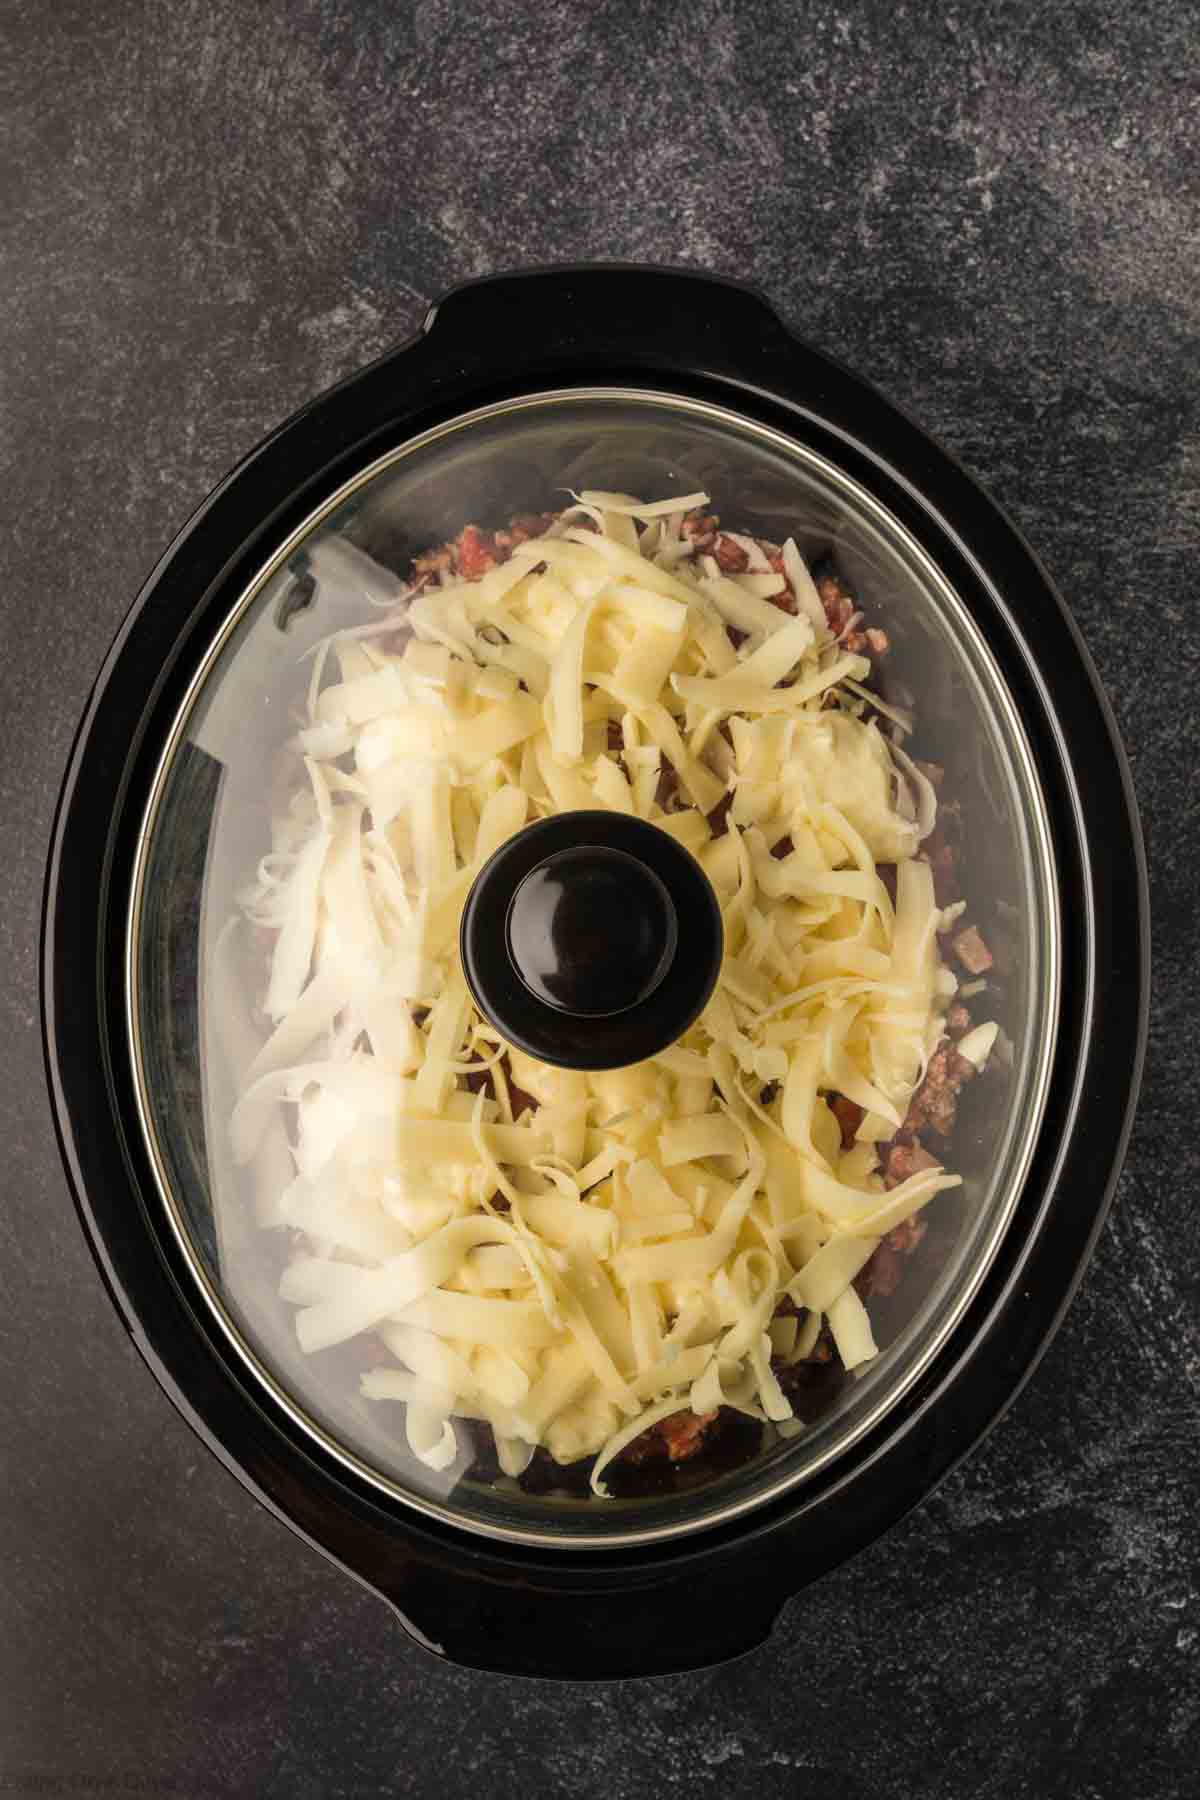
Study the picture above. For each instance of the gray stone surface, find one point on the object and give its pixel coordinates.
(210, 210)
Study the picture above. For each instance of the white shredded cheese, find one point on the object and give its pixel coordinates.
(574, 1271)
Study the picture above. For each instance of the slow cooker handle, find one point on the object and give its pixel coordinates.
(602, 1629)
(607, 313)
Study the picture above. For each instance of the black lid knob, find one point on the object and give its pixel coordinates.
(591, 931)
(591, 940)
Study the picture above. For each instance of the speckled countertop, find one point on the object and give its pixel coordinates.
(211, 210)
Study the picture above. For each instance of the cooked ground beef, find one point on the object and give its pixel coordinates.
(718, 818)
(933, 1105)
(666, 794)
(958, 1020)
(903, 1161)
(882, 1275)
(678, 1436)
(971, 951)
(700, 529)
(479, 1081)
(474, 551)
(837, 600)
(941, 852)
(731, 558)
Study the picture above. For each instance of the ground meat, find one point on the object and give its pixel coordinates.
(474, 551)
(678, 1436)
(882, 1274)
(523, 527)
(479, 1081)
(731, 558)
(942, 857)
(718, 817)
(683, 1433)
(942, 861)
(849, 1116)
(837, 600)
(958, 1020)
(971, 951)
(905, 1160)
(932, 1109)
(933, 1105)
(699, 529)
(907, 1235)
(666, 794)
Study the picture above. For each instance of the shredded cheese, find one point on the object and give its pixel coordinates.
(579, 1270)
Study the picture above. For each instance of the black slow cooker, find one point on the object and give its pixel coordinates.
(517, 393)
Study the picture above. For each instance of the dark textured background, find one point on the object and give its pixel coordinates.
(210, 210)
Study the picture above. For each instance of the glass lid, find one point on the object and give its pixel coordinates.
(593, 967)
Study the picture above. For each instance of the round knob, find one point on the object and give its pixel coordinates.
(592, 931)
(591, 940)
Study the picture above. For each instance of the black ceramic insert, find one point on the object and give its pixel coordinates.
(591, 940)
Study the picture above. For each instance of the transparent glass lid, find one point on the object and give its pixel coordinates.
(546, 1299)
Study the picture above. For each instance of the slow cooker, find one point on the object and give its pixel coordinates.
(519, 395)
